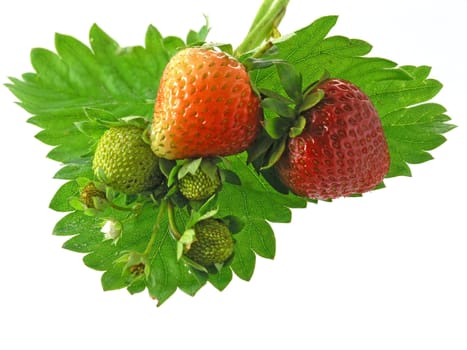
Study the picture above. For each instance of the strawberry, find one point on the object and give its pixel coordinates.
(342, 149)
(213, 243)
(125, 162)
(205, 107)
(199, 186)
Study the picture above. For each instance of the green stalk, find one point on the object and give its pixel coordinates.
(172, 226)
(264, 25)
(156, 229)
(265, 6)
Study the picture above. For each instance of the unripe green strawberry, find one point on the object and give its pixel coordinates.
(127, 162)
(89, 192)
(199, 186)
(213, 243)
(205, 107)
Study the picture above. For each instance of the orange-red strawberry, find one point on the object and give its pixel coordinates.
(342, 150)
(205, 106)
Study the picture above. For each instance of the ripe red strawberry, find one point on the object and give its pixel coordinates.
(205, 106)
(342, 150)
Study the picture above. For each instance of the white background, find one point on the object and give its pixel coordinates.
(387, 271)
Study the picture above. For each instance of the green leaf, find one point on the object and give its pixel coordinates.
(260, 205)
(263, 242)
(191, 280)
(198, 37)
(277, 127)
(173, 44)
(221, 279)
(230, 176)
(101, 116)
(275, 152)
(137, 286)
(91, 129)
(278, 107)
(80, 168)
(61, 199)
(189, 167)
(291, 81)
(210, 169)
(165, 269)
(235, 223)
(166, 166)
(85, 242)
(259, 147)
(103, 256)
(187, 238)
(114, 278)
(275, 95)
(412, 132)
(244, 259)
(69, 84)
(75, 223)
(311, 100)
(298, 127)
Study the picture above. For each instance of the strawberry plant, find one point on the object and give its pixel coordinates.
(178, 155)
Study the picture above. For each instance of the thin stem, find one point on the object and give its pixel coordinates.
(264, 25)
(157, 226)
(172, 225)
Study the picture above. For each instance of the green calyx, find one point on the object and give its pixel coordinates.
(213, 243)
(285, 115)
(124, 162)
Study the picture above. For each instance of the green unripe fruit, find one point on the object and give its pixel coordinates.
(126, 161)
(213, 243)
(199, 186)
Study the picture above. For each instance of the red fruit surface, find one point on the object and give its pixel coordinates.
(205, 107)
(342, 150)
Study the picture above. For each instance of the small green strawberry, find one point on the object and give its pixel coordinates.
(205, 107)
(199, 186)
(90, 193)
(213, 243)
(126, 162)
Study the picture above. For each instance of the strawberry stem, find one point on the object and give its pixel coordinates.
(264, 25)
(156, 229)
(172, 226)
